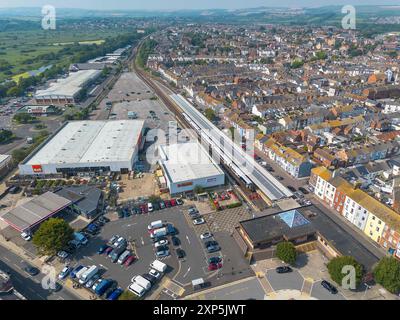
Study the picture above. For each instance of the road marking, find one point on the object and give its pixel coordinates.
(186, 273)
(5, 258)
(187, 237)
(103, 266)
(141, 238)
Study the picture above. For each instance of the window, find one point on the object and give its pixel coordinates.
(379, 222)
(373, 217)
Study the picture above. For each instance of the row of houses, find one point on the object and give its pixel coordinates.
(377, 221)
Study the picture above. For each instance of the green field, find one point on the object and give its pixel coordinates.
(22, 49)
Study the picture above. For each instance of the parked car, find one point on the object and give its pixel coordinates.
(213, 248)
(149, 278)
(291, 188)
(162, 205)
(108, 251)
(129, 261)
(115, 294)
(283, 269)
(198, 221)
(214, 266)
(26, 236)
(92, 280)
(180, 253)
(179, 202)
(31, 270)
(57, 287)
(102, 249)
(155, 274)
(167, 203)
(330, 287)
(173, 202)
(214, 260)
(75, 271)
(192, 210)
(96, 284)
(64, 272)
(162, 252)
(150, 207)
(62, 254)
(175, 241)
(210, 243)
(160, 243)
(304, 190)
(206, 235)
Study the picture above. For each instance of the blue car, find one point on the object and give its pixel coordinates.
(75, 271)
(115, 294)
(102, 249)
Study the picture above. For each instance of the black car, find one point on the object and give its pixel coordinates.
(210, 243)
(291, 188)
(328, 286)
(57, 287)
(175, 241)
(180, 253)
(31, 270)
(149, 278)
(304, 190)
(283, 269)
(110, 290)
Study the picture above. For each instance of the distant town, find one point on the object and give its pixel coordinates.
(189, 158)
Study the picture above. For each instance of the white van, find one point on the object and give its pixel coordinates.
(159, 266)
(85, 277)
(155, 225)
(145, 284)
(81, 272)
(136, 289)
(122, 258)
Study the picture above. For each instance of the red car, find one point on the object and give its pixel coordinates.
(167, 203)
(108, 250)
(143, 209)
(214, 266)
(129, 261)
(173, 202)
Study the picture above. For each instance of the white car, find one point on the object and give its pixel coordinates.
(160, 243)
(62, 254)
(198, 221)
(206, 235)
(155, 274)
(26, 236)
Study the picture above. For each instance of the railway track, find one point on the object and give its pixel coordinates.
(252, 197)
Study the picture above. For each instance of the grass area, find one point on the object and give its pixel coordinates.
(22, 49)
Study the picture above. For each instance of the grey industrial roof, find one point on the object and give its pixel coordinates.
(85, 197)
(34, 211)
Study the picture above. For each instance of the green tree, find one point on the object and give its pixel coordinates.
(335, 267)
(5, 135)
(387, 274)
(210, 114)
(23, 118)
(127, 295)
(52, 236)
(297, 64)
(286, 252)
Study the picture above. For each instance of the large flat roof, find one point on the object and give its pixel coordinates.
(90, 142)
(34, 211)
(69, 86)
(188, 161)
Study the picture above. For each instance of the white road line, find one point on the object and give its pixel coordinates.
(187, 237)
(186, 273)
(141, 238)
(5, 258)
(103, 267)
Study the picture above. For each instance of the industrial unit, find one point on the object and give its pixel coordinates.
(187, 165)
(65, 91)
(88, 146)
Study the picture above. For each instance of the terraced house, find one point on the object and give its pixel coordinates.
(377, 221)
(293, 162)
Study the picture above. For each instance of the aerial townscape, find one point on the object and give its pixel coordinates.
(245, 153)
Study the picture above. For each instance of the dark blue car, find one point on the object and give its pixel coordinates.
(102, 249)
(75, 271)
(115, 294)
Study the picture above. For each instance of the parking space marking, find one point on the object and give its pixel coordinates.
(186, 273)
(187, 237)
(105, 268)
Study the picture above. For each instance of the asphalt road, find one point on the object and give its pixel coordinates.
(29, 286)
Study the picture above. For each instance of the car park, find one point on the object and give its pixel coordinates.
(198, 221)
(330, 287)
(206, 235)
(283, 269)
(64, 272)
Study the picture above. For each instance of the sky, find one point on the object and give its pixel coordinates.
(182, 4)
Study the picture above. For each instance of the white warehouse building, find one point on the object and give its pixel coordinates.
(187, 165)
(88, 146)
